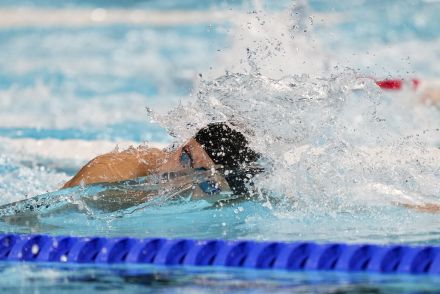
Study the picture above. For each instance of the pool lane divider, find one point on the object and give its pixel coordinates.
(397, 84)
(291, 256)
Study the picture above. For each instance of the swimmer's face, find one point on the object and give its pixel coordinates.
(192, 156)
(195, 157)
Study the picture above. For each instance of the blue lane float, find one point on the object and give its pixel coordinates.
(297, 256)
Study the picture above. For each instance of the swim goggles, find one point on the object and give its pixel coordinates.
(209, 187)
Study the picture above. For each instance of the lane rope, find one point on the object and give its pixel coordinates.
(291, 256)
(396, 84)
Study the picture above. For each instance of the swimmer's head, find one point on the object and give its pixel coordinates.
(229, 148)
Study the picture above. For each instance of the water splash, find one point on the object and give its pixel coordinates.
(21, 178)
(274, 44)
(113, 200)
(334, 140)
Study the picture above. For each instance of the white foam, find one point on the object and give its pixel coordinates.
(276, 44)
(347, 145)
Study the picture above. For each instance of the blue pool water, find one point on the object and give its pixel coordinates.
(115, 279)
(77, 87)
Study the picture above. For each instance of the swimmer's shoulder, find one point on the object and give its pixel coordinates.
(130, 155)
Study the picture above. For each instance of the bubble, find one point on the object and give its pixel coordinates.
(35, 249)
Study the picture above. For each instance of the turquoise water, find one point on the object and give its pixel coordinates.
(71, 91)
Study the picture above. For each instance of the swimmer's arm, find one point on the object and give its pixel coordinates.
(431, 95)
(117, 166)
(426, 207)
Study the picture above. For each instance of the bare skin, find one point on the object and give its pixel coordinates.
(140, 162)
(426, 207)
(431, 95)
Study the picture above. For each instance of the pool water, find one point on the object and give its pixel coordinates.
(77, 82)
(114, 279)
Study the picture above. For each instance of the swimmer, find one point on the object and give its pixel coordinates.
(214, 147)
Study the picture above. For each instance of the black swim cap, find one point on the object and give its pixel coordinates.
(229, 148)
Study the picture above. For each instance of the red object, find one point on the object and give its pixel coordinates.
(396, 84)
(415, 83)
(390, 84)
